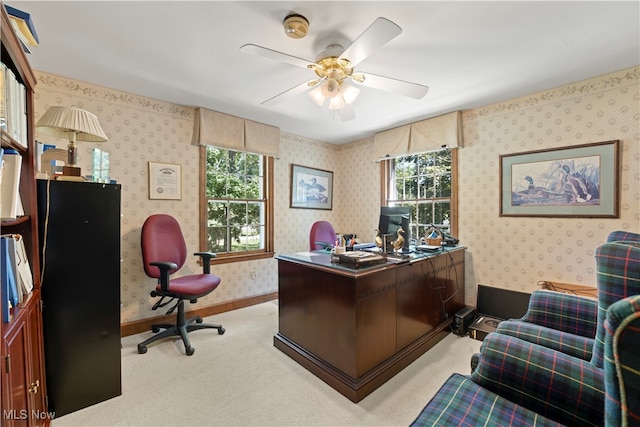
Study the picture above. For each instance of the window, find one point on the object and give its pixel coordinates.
(425, 183)
(100, 165)
(237, 206)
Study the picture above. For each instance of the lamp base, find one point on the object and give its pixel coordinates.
(71, 170)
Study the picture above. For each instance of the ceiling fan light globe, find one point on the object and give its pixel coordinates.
(317, 96)
(336, 103)
(349, 92)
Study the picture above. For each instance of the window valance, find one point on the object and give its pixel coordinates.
(391, 143)
(419, 137)
(235, 133)
(261, 139)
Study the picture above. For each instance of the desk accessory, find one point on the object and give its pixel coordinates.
(358, 259)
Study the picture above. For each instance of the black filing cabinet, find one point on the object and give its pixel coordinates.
(79, 232)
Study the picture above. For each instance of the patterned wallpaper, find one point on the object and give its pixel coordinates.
(517, 252)
(505, 252)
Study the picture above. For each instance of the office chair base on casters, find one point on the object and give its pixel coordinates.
(181, 329)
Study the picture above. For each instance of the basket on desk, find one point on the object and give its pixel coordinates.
(437, 241)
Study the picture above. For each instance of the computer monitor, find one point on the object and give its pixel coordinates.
(393, 218)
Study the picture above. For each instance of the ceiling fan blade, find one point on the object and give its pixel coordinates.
(275, 55)
(387, 84)
(287, 94)
(375, 36)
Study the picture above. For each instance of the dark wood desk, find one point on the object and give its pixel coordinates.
(355, 329)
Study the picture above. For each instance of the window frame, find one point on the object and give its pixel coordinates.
(386, 177)
(268, 250)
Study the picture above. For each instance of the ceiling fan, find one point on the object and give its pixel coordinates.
(335, 70)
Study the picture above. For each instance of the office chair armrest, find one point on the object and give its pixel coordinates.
(165, 268)
(206, 258)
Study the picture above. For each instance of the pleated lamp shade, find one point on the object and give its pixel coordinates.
(66, 121)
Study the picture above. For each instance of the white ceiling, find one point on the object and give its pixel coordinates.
(470, 54)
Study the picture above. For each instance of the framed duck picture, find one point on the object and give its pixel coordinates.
(575, 181)
(311, 188)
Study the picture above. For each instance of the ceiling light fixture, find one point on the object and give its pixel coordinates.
(295, 26)
(333, 88)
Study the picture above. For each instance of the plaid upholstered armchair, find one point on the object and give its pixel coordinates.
(562, 322)
(517, 382)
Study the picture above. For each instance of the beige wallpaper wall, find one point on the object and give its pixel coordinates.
(515, 252)
(505, 252)
(142, 130)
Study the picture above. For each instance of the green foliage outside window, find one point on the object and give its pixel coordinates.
(235, 201)
(423, 183)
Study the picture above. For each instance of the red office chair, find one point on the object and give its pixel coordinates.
(321, 236)
(163, 253)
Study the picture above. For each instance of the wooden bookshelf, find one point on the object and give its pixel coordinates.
(23, 379)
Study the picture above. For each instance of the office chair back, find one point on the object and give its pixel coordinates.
(321, 231)
(162, 239)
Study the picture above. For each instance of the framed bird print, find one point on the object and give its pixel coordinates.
(575, 181)
(311, 188)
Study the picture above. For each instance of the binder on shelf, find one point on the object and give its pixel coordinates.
(10, 186)
(8, 282)
(19, 264)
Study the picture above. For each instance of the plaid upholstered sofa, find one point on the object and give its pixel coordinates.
(518, 382)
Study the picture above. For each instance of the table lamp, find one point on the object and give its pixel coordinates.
(73, 124)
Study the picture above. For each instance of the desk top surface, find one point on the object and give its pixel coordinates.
(322, 259)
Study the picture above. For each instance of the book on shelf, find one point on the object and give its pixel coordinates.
(7, 281)
(23, 27)
(13, 106)
(10, 185)
(3, 98)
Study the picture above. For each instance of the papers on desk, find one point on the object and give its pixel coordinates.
(360, 255)
(358, 259)
(430, 248)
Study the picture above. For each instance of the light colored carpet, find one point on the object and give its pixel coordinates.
(241, 379)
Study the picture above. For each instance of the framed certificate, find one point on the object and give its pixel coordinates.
(165, 181)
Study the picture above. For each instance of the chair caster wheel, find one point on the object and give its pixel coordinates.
(221, 331)
(142, 349)
(155, 329)
(190, 351)
(199, 320)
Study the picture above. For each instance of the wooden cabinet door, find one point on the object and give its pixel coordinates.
(23, 403)
(38, 415)
(15, 411)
